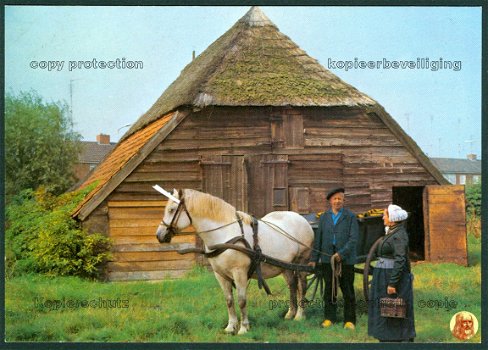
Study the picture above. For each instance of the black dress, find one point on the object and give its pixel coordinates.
(394, 248)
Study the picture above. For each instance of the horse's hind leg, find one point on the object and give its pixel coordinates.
(241, 280)
(226, 286)
(291, 280)
(302, 289)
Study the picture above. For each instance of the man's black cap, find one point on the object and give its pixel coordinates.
(334, 191)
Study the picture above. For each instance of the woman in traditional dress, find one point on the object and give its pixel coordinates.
(392, 278)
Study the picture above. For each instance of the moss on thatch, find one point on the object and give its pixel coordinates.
(253, 64)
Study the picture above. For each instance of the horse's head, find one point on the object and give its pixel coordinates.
(176, 217)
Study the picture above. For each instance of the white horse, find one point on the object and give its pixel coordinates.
(215, 222)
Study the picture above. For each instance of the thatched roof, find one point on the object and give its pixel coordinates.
(253, 64)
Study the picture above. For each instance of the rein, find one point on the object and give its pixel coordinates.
(336, 274)
(172, 229)
(290, 237)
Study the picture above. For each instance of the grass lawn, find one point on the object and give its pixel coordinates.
(193, 309)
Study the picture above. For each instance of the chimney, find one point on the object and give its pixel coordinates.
(193, 55)
(472, 156)
(103, 139)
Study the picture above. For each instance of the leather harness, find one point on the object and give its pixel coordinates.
(256, 259)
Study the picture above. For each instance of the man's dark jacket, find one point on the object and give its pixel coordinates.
(346, 232)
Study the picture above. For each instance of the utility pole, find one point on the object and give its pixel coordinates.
(471, 141)
(71, 99)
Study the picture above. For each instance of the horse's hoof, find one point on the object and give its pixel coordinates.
(289, 315)
(299, 317)
(242, 331)
(230, 329)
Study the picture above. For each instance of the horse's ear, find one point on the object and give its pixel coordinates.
(175, 193)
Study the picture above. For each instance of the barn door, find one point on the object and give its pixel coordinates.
(445, 224)
(268, 183)
(225, 176)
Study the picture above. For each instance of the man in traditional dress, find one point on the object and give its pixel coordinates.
(334, 245)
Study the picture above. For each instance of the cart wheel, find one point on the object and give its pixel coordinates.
(368, 269)
(316, 283)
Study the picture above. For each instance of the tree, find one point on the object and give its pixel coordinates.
(41, 146)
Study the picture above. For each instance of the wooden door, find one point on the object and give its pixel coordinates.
(287, 131)
(225, 176)
(445, 224)
(268, 183)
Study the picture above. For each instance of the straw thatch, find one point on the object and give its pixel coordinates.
(253, 64)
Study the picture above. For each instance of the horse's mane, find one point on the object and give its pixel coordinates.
(205, 205)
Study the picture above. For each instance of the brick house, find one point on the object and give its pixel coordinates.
(460, 171)
(92, 153)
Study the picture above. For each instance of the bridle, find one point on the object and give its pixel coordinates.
(171, 228)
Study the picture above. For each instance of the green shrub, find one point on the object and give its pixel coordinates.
(42, 237)
(473, 199)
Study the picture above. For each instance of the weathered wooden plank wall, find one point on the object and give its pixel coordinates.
(136, 252)
(287, 158)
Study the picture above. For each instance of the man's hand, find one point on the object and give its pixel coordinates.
(312, 263)
(337, 257)
(391, 290)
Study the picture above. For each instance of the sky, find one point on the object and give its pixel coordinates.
(439, 108)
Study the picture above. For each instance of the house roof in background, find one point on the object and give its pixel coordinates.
(457, 166)
(253, 64)
(93, 152)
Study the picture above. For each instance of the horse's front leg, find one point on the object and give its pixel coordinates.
(241, 281)
(226, 286)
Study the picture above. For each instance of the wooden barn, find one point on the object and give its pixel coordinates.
(256, 121)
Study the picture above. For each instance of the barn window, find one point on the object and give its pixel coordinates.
(279, 197)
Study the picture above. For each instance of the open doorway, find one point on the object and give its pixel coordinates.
(410, 198)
